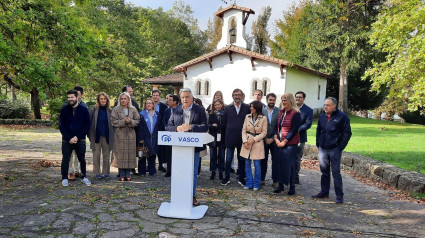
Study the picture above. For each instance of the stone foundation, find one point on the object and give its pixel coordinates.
(395, 177)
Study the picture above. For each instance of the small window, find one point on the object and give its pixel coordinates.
(232, 30)
(198, 88)
(207, 87)
(265, 87)
(318, 92)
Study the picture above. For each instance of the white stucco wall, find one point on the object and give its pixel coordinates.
(308, 83)
(226, 76)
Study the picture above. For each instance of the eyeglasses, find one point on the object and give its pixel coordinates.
(149, 103)
(299, 97)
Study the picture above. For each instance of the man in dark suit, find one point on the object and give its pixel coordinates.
(172, 101)
(306, 120)
(272, 114)
(233, 119)
(189, 117)
(160, 109)
(129, 90)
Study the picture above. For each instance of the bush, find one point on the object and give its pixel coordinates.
(13, 109)
(413, 117)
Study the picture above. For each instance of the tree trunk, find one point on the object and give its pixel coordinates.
(343, 87)
(12, 89)
(35, 102)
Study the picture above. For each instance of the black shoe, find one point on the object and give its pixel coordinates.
(241, 182)
(291, 191)
(212, 175)
(167, 175)
(297, 181)
(220, 175)
(339, 199)
(279, 189)
(225, 181)
(162, 169)
(320, 195)
(232, 170)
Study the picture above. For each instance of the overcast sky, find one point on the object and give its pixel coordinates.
(205, 9)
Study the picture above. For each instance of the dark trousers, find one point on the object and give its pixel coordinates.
(330, 159)
(161, 155)
(217, 157)
(265, 161)
(241, 162)
(151, 165)
(287, 156)
(80, 150)
(300, 153)
(168, 157)
(124, 173)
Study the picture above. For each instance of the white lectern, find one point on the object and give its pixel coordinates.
(183, 143)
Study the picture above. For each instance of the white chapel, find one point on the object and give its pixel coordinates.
(232, 66)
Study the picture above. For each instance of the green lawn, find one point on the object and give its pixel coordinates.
(400, 144)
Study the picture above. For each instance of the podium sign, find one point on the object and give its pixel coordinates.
(183, 150)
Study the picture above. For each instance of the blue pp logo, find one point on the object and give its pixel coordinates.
(166, 138)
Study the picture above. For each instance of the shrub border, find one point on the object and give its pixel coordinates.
(33, 122)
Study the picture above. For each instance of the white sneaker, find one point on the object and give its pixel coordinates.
(86, 181)
(255, 189)
(245, 188)
(65, 182)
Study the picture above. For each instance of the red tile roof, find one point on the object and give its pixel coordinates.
(236, 49)
(171, 79)
(233, 6)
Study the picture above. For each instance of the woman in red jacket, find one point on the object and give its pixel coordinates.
(287, 139)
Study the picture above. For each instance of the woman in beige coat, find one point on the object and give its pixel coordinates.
(124, 118)
(253, 132)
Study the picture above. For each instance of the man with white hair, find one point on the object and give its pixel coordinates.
(189, 117)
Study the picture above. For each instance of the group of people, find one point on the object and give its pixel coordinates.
(253, 130)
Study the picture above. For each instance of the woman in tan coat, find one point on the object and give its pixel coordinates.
(253, 132)
(124, 118)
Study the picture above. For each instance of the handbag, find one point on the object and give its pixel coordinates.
(142, 150)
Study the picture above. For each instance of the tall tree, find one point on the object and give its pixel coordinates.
(334, 38)
(45, 47)
(260, 33)
(184, 13)
(400, 32)
(213, 33)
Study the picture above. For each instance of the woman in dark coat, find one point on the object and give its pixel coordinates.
(147, 133)
(216, 129)
(287, 139)
(101, 135)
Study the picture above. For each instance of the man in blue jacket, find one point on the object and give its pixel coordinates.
(233, 119)
(306, 120)
(332, 136)
(74, 124)
(189, 117)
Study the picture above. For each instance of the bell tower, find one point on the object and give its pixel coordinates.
(234, 19)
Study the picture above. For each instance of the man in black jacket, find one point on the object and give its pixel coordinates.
(160, 109)
(306, 121)
(332, 136)
(74, 124)
(189, 117)
(172, 101)
(233, 119)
